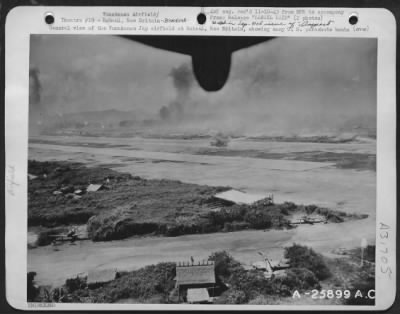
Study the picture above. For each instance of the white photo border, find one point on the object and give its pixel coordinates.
(21, 22)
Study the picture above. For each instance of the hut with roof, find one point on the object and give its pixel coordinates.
(232, 197)
(195, 282)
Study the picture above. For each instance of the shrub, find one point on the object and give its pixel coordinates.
(116, 225)
(286, 207)
(236, 225)
(73, 284)
(295, 279)
(208, 228)
(252, 283)
(181, 229)
(154, 281)
(304, 257)
(224, 263)
(233, 296)
(227, 227)
(259, 219)
(259, 300)
(144, 283)
(284, 211)
(310, 209)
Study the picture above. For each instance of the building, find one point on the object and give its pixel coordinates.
(198, 295)
(195, 283)
(232, 197)
(94, 187)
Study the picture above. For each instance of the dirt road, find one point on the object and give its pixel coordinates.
(54, 266)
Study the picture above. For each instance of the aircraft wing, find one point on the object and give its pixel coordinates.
(211, 55)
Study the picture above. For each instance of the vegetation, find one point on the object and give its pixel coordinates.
(349, 274)
(301, 279)
(119, 224)
(73, 284)
(47, 236)
(248, 285)
(146, 200)
(129, 205)
(155, 283)
(47, 209)
(148, 282)
(368, 254)
(305, 257)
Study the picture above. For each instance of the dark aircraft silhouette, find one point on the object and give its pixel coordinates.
(211, 55)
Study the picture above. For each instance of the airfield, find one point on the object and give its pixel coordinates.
(190, 160)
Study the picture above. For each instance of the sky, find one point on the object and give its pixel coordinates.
(287, 83)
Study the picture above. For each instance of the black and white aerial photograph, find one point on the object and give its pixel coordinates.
(202, 170)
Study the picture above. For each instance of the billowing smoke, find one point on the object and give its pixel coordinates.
(183, 79)
(36, 110)
(286, 86)
(292, 86)
(34, 87)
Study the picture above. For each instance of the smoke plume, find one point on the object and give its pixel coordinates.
(36, 110)
(34, 87)
(286, 86)
(183, 79)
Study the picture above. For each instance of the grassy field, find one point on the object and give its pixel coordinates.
(129, 205)
(147, 200)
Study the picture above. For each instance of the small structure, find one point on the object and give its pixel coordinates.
(309, 220)
(341, 251)
(99, 277)
(220, 140)
(263, 265)
(198, 295)
(231, 197)
(270, 267)
(94, 187)
(280, 273)
(195, 277)
(68, 189)
(282, 264)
